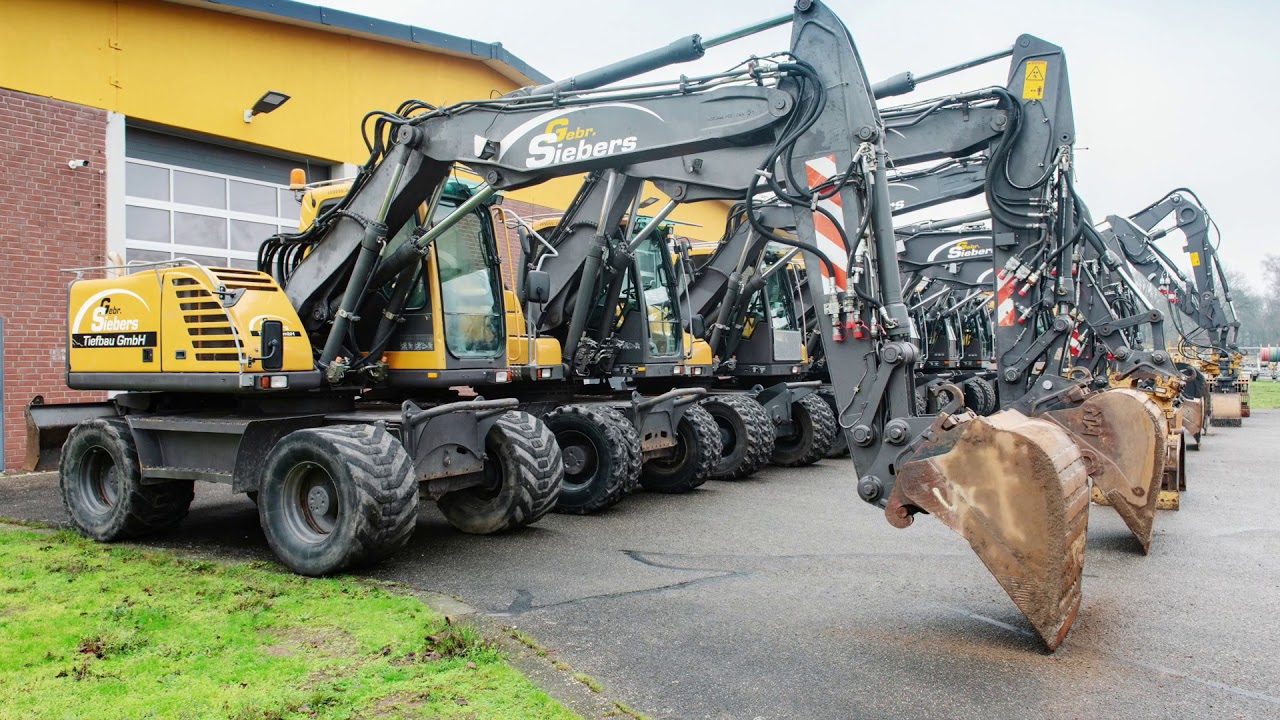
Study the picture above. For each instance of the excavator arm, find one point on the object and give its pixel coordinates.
(1201, 308)
(1026, 132)
(1208, 304)
(1013, 486)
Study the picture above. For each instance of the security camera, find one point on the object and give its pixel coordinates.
(73, 164)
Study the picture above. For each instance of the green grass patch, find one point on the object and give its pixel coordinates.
(98, 631)
(1264, 395)
(592, 684)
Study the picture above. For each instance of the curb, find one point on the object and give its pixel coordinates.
(576, 691)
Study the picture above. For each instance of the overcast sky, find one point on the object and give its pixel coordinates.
(1166, 94)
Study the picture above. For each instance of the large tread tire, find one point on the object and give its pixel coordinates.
(990, 398)
(746, 435)
(601, 450)
(840, 444)
(100, 481)
(815, 425)
(371, 478)
(525, 470)
(697, 452)
(922, 402)
(974, 398)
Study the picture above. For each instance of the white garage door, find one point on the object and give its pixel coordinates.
(212, 204)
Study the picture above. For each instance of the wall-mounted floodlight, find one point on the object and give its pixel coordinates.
(269, 101)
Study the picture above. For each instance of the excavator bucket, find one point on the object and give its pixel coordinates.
(1175, 473)
(1226, 409)
(1016, 488)
(1191, 416)
(1124, 438)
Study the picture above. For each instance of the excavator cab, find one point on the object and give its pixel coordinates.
(645, 321)
(458, 326)
(648, 317)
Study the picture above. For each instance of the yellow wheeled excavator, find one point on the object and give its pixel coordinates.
(223, 386)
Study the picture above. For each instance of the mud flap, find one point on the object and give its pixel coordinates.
(1016, 488)
(1226, 409)
(1123, 436)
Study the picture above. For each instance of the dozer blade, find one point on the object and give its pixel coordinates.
(1016, 488)
(1123, 436)
(1191, 415)
(1226, 409)
(48, 426)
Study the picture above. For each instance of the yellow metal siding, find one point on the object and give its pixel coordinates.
(198, 70)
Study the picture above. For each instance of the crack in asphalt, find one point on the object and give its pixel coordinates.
(523, 602)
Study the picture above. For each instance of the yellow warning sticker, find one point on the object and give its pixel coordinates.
(1195, 259)
(1033, 84)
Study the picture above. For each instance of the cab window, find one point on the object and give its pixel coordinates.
(470, 290)
(656, 283)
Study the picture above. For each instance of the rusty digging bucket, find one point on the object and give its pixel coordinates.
(1191, 416)
(1123, 437)
(1016, 488)
(1225, 409)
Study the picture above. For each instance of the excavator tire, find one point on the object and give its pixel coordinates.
(100, 481)
(815, 429)
(1123, 436)
(524, 468)
(601, 450)
(1016, 489)
(990, 401)
(696, 453)
(974, 398)
(337, 497)
(840, 445)
(922, 402)
(746, 435)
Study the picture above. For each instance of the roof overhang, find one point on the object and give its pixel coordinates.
(345, 23)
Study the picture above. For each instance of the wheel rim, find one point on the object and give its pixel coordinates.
(99, 480)
(668, 466)
(494, 474)
(801, 436)
(728, 438)
(312, 505)
(581, 460)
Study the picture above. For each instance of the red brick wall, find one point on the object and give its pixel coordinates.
(51, 217)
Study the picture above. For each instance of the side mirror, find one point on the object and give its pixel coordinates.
(537, 286)
(698, 326)
(272, 349)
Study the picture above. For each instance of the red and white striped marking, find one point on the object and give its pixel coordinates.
(1006, 313)
(1075, 346)
(820, 170)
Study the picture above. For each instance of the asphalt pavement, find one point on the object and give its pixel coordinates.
(785, 596)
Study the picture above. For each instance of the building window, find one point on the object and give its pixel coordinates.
(217, 220)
